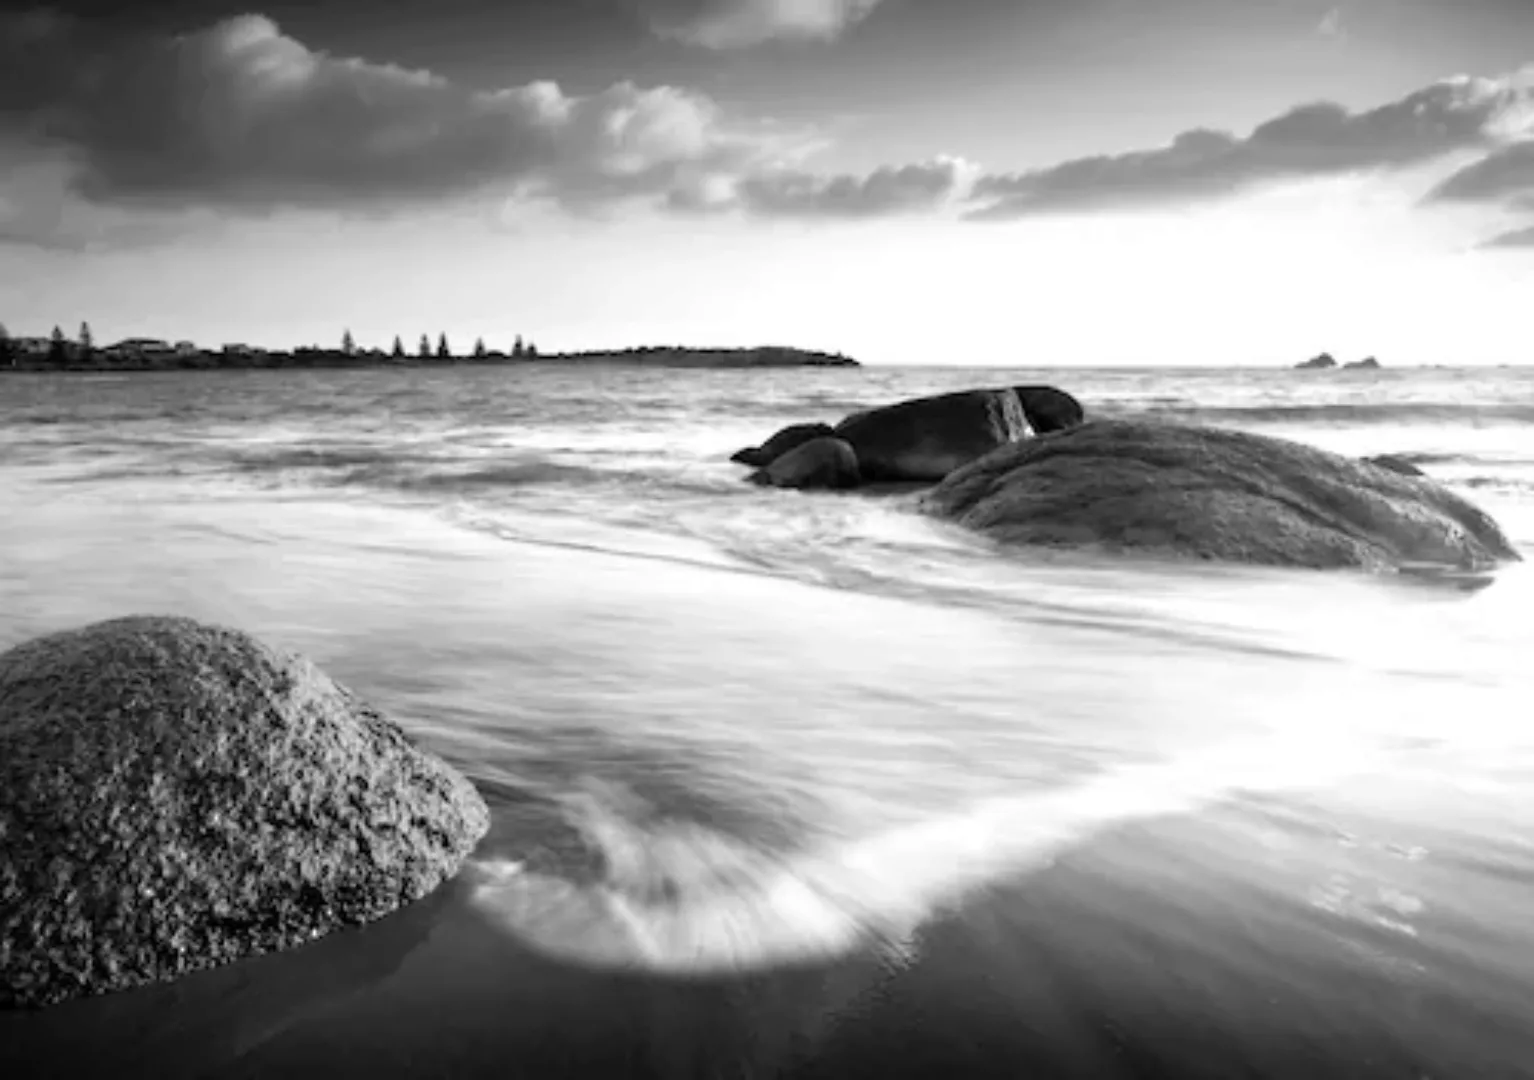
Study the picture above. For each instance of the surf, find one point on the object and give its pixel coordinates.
(680, 899)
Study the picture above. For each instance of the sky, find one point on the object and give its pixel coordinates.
(976, 182)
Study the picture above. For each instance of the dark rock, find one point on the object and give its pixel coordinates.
(780, 444)
(1317, 362)
(1214, 494)
(1369, 363)
(928, 438)
(1049, 408)
(819, 463)
(1395, 463)
(175, 796)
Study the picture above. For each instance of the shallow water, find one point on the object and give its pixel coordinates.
(809, 785)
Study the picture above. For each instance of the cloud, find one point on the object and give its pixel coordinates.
(1518, 238)
(885, 191)
(737, 24)
(37, 211)
(1310, 141)
(1507, 173)
(1331, 25)
(241, 115)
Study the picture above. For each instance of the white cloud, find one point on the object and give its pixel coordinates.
(1332, 25)
(736, 24)
(1309, 141)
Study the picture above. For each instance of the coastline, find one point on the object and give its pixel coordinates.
(326, 359)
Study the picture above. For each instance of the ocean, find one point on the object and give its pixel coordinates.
(903, 803)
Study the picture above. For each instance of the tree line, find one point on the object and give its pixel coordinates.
(61, 349)
(58, 345)
(519, 350)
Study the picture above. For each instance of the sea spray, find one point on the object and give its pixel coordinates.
(681, 899)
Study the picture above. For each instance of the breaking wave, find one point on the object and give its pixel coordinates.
(681, 898)
(1341, 413)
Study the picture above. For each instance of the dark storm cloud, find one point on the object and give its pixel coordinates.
(240, 114)
(736, 24)
(1315, 140)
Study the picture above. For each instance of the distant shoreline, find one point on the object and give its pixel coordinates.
(328, 359)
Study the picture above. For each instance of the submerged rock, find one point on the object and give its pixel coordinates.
(1215, 494)
(781, 443)
(175, 796)
(819, 463)
(1395, 463)
(927, 438)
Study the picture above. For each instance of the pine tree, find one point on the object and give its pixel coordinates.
(7, 350)
(56, 352)
(399, 348)
(532, 350)
(348, 343)
(443, 352)
(518, 350)
(424, 349)
(479, 348)
(87, 341)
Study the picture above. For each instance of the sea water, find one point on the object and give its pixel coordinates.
(808, 784)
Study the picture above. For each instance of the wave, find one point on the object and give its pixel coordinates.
(1448, 413)
(1500, 485)
(683, 899)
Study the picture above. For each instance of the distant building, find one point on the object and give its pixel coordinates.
(138, 347)
(31, 346)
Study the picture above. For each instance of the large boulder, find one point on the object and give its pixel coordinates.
(927, 438)
(1215, 494)
(175, 796)
(1048, 408)
(781, 443)
(819, 463)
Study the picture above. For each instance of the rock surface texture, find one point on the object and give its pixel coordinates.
(175, 796)
(927, 438)
(1214, 494)
(780, 443)
(825, 463)
(1048, 408)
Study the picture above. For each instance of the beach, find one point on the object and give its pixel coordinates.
(920, 805)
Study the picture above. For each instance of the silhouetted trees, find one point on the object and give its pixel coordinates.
(443, 352)
(7, 347)
(532, 350)
(399, 348)
(424, 349)
(58, 353)
(87, 341)
(348, 343)
(479, 348)
(517, 350)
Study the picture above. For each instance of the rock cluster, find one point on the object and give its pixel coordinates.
(920, 440)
